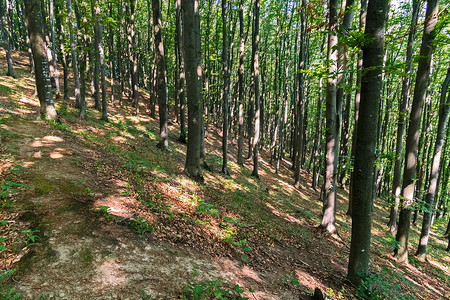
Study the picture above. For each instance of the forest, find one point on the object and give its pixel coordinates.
(233, 149)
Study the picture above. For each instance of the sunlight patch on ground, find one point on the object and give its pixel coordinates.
(46, 141)
(32, 102)
(307, 280)
(285, 216)
(110, 273)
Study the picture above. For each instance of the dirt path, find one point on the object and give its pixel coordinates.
(82, 255)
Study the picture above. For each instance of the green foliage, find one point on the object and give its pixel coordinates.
(5, 90)
(32, 236)
(142, 226)
(58, 125)
(207, 209)
(6, 292)
(211, 289)
(104, 211)
(289, 279)
(377, 286)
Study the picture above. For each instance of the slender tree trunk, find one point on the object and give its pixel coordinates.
(329, 203)
(161, 76)
(53, 40)
(301, 94)
(316, 147)
(42, 72)
(362, 24)
(60, 32)
(240, 158)
(226, 89)
(181, 72)
(6, 40)
(133, 56)
(409, 173)
(366, 140)
(193, 88)
(444, 108)
(255, 44)
(73, 45)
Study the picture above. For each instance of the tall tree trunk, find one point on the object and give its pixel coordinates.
(409, 173)
(318, 137)
(111, 56)
(366, 141)
(42, 72)
(73, 45)
(444, 108)
(53, 40)
(362, 24)
(193, 88)
(301, 95)
(133, 56)
(240, 158)
(60, 32)
(226, 89)
(181, 72)
(6, 40)
(329, 201)
(255, 58)
(161, 76)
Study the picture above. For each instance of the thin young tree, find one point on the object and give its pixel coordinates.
(73, 46)
(412, 138)
(42, 71)
(329, 192)
(6, 40)
(255, 42)
(396, 188)
(193, 88)
(444, 108)
(161, 76)
(366, 141)
(226, 89)
(240, 158)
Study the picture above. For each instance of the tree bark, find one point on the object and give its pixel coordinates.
(161, 71)
(409, 173)
(193, 88)
(226, 89)
(240, 158)
(180, 78)
(329, 201)
(42, 72)
(255, 43)
(444, 108)
(6, 40)
(366, 141)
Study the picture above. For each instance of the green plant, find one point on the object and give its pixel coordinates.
(289, 279)
(104, 211)
(7, 293)
(142, 226)
(377, 286)
(32, 236)
(207, 209)
(144, 295)
(211, 289)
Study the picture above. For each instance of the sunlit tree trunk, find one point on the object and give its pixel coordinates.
(193, 88)
(240, 158)
(412, 138)
(226, 89)
(255, 42)
(42, 71)
(329, 201)
(444, 107)
(366, 141)
(6, 40)
(161, 76)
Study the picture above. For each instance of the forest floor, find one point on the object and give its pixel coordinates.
(93, 210)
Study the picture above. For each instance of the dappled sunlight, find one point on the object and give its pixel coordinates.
(282, 215)
(58, 153)
(46, 141)
(110, 273)
(33, 102)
